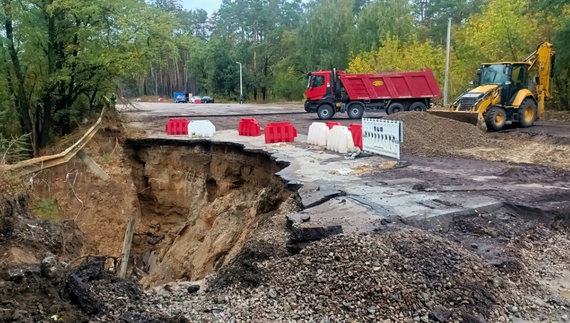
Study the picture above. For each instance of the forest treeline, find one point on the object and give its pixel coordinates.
(60, 57)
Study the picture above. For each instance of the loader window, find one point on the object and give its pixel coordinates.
(493, 74)
(519, 76)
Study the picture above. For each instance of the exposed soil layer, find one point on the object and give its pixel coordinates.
(200, 202)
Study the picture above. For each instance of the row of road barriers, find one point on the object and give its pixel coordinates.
(374, 135)
(194, 128)
(336, 137)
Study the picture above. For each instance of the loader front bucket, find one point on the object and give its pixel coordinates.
(464, 116)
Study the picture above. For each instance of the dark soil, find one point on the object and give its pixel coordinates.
(26, 296)
(242, 270)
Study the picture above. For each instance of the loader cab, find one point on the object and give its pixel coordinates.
(318, 85)
(511, 77)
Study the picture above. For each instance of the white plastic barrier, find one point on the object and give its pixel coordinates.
(382, 137)
(318, 132)
(201, 129)
(340, 140)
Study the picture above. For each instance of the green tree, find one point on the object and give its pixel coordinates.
(58, 51)
(325, 33)
(378, 19)
(556, 15)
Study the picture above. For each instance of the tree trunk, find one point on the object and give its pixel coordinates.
(46, 114)
(16, 78)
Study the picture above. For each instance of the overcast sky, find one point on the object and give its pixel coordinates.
(208, 5)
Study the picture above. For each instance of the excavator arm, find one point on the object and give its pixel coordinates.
(543, 57)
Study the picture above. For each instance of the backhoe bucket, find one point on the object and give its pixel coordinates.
(464, 116)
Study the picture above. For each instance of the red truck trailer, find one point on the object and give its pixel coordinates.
(329, 92)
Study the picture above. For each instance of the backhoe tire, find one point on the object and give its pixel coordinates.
(325, 112)
(527, 113)
(355, 110)
(395, 108)
(495, 119)
(418, 106)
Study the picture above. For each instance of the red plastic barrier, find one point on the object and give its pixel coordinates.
(177, 127)
(279, 132)
(356, 130)
(249, 127)
(331, 124)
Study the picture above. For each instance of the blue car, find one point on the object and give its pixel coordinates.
(181, 99)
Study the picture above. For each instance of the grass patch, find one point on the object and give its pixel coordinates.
(46, 209)
(105, 158)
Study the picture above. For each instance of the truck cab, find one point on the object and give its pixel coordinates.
(324, 93)
(318, 85)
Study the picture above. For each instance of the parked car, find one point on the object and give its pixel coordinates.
(196, 99)
(207, 99)
(181, 99)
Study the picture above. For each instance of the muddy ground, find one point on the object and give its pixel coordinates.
(213, 243)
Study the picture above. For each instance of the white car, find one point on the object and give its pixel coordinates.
(196, 99)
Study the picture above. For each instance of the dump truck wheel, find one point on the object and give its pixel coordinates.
(325, 112)
(495, 118)
(527, 113)
(395, 108)
(355, 110)
(418, 106)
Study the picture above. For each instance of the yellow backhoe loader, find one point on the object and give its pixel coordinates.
(506, 92)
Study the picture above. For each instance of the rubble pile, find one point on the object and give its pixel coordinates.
(397, 275)
(400, 276)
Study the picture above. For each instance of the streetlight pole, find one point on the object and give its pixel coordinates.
(240, 85)
(445, 88)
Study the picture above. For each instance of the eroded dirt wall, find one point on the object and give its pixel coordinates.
(202, 202)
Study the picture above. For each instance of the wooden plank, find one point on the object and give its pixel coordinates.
(127, 242)
(36, 164)
(92, 165)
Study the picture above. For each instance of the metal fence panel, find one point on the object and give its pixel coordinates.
(382, 137)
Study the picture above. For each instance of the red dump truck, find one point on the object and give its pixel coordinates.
(329, 92)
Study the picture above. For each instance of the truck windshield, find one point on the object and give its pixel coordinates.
(317, 80)
(494, 74)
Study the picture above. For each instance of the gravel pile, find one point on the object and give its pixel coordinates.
(398, 276)
(426, 135)
(403, 276)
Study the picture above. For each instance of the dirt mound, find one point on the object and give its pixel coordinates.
(426, 135)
